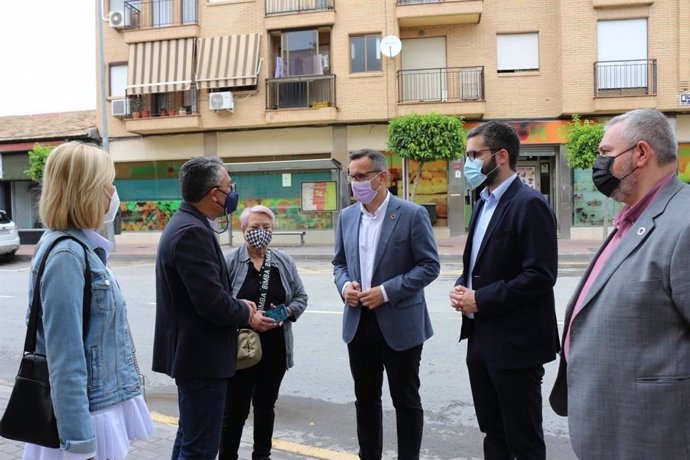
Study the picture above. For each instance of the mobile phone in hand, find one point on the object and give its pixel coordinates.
(278, 313)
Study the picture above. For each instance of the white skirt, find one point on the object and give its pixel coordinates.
(114, 426)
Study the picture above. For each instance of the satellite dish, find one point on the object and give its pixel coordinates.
(390, 46)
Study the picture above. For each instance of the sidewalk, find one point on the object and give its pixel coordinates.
(142, 246)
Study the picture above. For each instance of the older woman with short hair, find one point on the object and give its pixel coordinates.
(259, 385)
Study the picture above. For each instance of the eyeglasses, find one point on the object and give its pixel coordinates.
(473, 154)
(231, 188)
(361, 177)
(604, 154)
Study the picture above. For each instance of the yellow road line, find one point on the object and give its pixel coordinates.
(312, 452)
(285, 446)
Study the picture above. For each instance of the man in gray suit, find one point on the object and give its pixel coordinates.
(385, 254)
(624, 376)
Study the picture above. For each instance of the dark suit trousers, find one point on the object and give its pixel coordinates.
(369, 356)
(508, 406)
(259, 386)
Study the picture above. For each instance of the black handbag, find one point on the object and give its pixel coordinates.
(29, 416)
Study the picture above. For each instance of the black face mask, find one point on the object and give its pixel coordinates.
(603, 178)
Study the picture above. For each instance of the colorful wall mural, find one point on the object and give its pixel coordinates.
(684, 162)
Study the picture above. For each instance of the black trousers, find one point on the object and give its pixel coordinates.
(257, 386)
(369, 356)
(508, 406)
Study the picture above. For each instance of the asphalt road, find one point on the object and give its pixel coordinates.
(316, 406)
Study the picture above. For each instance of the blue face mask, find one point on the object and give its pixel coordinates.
(231, 200)
(473, 171)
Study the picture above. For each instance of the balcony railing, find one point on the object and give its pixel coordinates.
(151, 14)
(410, 2)
(304, 91)
(274, 7)
(443, 84)
(625, 78)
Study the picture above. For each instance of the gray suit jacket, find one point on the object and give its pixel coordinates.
(628, 373)
(406, 261)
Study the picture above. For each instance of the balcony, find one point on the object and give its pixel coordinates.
(419, 13)
(446, 84)
(300, 99)
(625, 78)
(294, 14)
(299, 92)
(279, 7)
(441, 89)
(155, 14)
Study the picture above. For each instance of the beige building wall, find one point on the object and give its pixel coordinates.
(563, 85)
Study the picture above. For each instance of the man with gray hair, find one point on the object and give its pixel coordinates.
(624, 376)
(195, 338)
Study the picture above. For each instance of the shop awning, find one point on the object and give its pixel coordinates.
(228, 61)
(160, 67)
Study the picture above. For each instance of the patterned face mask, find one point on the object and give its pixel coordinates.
(258, 237)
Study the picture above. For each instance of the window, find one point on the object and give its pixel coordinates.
(517, 52)
(622, 54)
(118, 80)
(301, 52)
(365, 55)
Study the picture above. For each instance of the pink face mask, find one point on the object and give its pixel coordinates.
(363, 192)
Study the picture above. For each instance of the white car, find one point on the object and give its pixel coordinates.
(9, 237)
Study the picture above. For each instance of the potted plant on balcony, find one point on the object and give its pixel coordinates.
(163, 112)
(182, 111)
(135, 105)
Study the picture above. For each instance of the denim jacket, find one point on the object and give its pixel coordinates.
(89, 375)
(295, 295)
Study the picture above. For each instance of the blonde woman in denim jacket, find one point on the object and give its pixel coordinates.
(259, 385)
(94, 383)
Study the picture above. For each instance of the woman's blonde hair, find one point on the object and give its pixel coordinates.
(74, 181)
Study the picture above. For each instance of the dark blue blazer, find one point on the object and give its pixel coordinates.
(513, 277)
(196, 317)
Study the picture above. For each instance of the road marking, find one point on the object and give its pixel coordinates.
(285, 446)
(6, 297)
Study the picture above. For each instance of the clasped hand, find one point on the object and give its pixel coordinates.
(462, 300)
(371, 298)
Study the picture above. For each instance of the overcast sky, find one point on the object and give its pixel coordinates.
(47, 56)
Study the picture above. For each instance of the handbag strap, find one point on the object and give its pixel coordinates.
(36, 306)
(264, 277)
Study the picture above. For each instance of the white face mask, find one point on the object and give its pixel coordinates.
(112, 209)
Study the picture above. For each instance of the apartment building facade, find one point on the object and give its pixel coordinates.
(282, 90)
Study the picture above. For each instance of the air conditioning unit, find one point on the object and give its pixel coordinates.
(117, 19)
(221, 101)
(120, 107)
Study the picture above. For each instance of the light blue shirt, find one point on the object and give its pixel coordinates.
(491, 199)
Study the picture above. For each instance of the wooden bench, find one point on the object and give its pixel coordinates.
(301, 234)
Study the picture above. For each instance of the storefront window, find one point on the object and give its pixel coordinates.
(589, 205)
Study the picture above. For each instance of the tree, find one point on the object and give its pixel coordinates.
(37, 162)
(584, 138)
(427, 137)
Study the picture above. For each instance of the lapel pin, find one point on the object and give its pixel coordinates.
(641, 230)
(392, 216)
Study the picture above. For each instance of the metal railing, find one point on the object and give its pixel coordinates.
(151, 14)
(442, 84)
(304, 91)
(274, 7)
(625, 78)
(411, 2)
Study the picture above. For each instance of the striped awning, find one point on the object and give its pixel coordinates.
(228, 61)
(160, 67)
